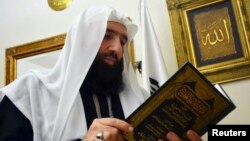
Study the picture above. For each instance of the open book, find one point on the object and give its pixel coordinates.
(186, 101)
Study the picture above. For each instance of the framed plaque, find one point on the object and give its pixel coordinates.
(213, 35)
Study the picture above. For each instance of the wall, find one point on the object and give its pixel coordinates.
(24, 21)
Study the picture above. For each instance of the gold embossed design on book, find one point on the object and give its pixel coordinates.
(188, 97)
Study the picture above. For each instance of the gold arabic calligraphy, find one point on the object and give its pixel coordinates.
(218, 37)
(214, 34)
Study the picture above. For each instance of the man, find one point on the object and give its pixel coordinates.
(89, 92)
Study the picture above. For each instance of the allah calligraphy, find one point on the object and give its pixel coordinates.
(214, 34)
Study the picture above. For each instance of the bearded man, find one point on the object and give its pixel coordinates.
(87, 94)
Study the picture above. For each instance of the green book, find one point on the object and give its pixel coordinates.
(186, 101)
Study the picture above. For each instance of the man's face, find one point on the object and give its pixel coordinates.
(111, 50)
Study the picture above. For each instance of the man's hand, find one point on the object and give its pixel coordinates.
(193, 136)
(108, 128)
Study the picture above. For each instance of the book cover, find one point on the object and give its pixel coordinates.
(186, 101)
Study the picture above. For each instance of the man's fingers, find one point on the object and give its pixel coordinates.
(171, 136)
(116, 123)
(193, 136)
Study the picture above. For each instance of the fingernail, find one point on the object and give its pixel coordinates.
(170, 134)
(131, 129)
(189, 132)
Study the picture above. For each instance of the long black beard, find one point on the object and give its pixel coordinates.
(104, 79)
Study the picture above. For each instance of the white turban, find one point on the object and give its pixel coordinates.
(50, 99)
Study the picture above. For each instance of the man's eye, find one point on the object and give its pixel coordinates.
(123, 42)
(108, 36)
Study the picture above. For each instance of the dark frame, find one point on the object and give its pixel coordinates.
(215, 37)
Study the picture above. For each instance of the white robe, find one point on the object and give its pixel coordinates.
(50, 99)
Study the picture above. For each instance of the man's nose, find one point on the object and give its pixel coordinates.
(116, 44)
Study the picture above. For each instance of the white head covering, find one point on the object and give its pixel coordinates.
(51, 100)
